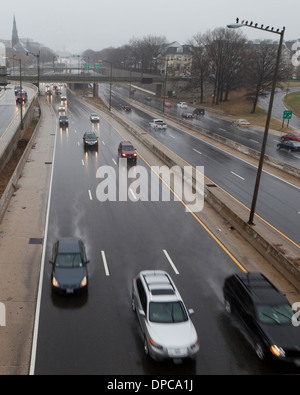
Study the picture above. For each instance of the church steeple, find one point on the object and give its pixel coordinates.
(15, 37)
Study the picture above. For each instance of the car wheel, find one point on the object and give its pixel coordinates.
(228, 306)
(260, 351)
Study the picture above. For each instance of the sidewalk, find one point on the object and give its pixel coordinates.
(21, 236)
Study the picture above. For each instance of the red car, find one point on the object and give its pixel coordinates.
(169, 105)
(291, 136)
(126, 150)
(188, 115)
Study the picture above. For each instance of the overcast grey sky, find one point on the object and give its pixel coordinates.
(76, 25)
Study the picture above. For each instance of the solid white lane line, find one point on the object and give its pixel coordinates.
(103, 142)
(254, 141)
(198, 152)
(105, 263)
(90, 195)
(82, 161)
(41, 277)
(170, 261)
(237, 175)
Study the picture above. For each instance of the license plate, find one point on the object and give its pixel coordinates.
(177, 352)
(70, 290)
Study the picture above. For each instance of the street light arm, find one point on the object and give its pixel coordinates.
(255, 26)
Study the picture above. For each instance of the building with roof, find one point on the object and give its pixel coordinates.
(176, 59)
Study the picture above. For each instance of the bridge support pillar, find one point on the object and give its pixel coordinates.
(95, 90)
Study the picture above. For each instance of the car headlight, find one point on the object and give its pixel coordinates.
(155, 345)
(277, 351)
(195, 345)
(84, 282)
(55, 282)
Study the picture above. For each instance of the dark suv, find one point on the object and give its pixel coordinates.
(267, 315)
(63, 121)
(199, 111)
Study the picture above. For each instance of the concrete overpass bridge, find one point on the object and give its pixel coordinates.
(92, 76)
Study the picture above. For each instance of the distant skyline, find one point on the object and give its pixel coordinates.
(97, 24)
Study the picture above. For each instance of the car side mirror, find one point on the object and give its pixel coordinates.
(191, 312)
(142, 313)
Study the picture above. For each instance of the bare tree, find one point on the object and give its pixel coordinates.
(261, 59)
(200, 64)
(225, 49)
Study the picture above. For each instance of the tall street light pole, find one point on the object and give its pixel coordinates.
(265, 138)
(21, 90)
(165, 85)
(38, 66)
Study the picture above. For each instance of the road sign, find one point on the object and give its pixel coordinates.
(86, 66)
(287, 114)
(97, 66)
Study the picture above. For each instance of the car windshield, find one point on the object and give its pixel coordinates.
(167, 312)
(275, 314)
(128, 148)
(90, 136)
(68, 261)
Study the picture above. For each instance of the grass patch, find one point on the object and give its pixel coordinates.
(292, 101)
(239, 107)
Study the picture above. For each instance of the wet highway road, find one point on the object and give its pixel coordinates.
(250, 137)
(8, 108)
(278, 201)
(99, 333)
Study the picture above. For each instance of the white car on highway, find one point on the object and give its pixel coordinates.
(94, 118)
(158, 124)
(182, 104)
(167, 328)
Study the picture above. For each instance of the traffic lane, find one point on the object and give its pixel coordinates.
(233, 175)
(124, 261)
(7, 114)
(248, 136)
(279, 107)
(81, 317)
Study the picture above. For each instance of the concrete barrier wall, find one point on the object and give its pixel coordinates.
(12, 185)
(17, 134)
